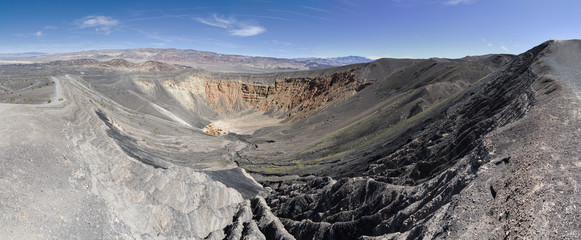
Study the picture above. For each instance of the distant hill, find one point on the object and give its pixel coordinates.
(198, 59)
(20, 55)
(338, 60)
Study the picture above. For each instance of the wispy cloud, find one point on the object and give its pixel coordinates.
(504, 48)
(276, 42)
(268, 17)
(216, 21)
(316, 9)
(43, 32)
(456, 2)
(350, 3)
(163, 40)
(234, 27)
(487, 42)
(300, 14)
(100, 23)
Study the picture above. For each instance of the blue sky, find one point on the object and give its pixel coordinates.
(291, 28)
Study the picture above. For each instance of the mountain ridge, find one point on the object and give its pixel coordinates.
(199, 59)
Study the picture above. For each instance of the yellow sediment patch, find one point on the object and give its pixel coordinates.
(146, 86)
(245, 125)
(183, 90)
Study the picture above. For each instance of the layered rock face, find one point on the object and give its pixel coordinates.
(299, 97)
(296, 97)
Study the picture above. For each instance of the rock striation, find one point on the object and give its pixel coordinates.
(296, 97)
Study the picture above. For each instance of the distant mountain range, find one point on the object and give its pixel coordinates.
(337, 61)
(198, 59)
(20, 55)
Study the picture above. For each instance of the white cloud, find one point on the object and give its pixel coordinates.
(100, 23)
(247, 31)
(234, 27)
(456, 2)
(42, 32)
(378, 57)
(504, 48)
(487, 43)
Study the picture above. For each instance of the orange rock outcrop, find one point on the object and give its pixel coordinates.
(297, 97)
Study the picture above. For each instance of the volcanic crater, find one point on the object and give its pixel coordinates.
(391, 149)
